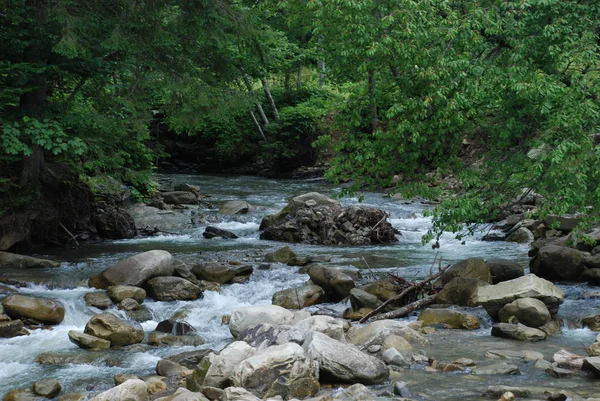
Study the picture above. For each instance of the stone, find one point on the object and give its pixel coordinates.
(131, 390)
(472, 268)
(331, 327)
(43, 310)
(212, 393)
(517, 332)
(98, 281)
(222, 365)
(504, 270)
(375, 333)
(119, 332)
(521, 236)
(337, 285)
(164, 339)
(528, 311)
(87, 341)
(592, 276)
(120, 379)
(512, 354)
(298, 298)
(592, 364)
(592, 322)
(238, 394)
(129, 304)
(343, 361)
(554, 262)
(403, 359)
(214, 232)
(362, 299)
(594, 349)
(449, 318)
(98, 300)
(235, 207)
(216, 272)
(14, 260)
(177, 327)
(281, 255)
(396, 342)
(249, 316)
(552, 328)
(81, 396)
(494, 297)
(118, 293)
(566, 359)
(156, 384)
(357, 392)
(168, 368)
(10, 328)
(58, 359)
(383, 289)
(172, 289)
(142, 314)
(555, 371)
(283, 370)
(22, 395)
(183, 394)
(460, 291)
(184, 271)
(114, 222)
(401, 389)
(497, 369)
(508, 396)
(189, 359)
(179, 198)
(138, 269)
(48, 388)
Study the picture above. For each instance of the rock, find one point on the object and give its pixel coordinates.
(223, 364)
(221, 273)
(109, 327)
(22, 395)
(327, 325)
(555, 371)
(383, 289)
(177, 327)
(504, 270)
(179, 198)
(129, 304)
(235, 207)
(460, 291)
(48, 388)
(87, 341)
(98, 300)
(43, 310)
(264, 335)
(498, 391)
(249, 316)
(114, 222)
(594, 349)
(298, 298)
(212, 393)
(117, 293)
(497, 369)
(566, 359)
(375, 333)
(155, 219)
(172, 289)
(357, 392)
(521, 236)
(517, 332)
(156, 384)
(281, 255)
(472, 268)
(283, 370)
(182, 186)
(54, 358)
(344, 362)
(131, 390)
(396, 342)
(214, 232)
(508, 396)
(563, 223)
(98, 281)
(593, 322)
(14, 260)
(401, 389)
(184, 271)
(81, 396)
(511, 354)
(138, 269)
(10, 328)
(189, 359)
(183, 394)
(555, 262)
(362, 299)
(403, 359)
(315, 219)
(528, 311)
(142, 314)
(592, 276)
(238, 394)
(592, 364)
(160, 339)
(494, 297)
(337, 285)
(449, 318)
(168, 368)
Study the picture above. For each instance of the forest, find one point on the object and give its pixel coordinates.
(478, 104)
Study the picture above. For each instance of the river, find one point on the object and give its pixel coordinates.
(407, 258)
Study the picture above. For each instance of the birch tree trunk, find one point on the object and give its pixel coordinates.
(259, 108)
(271, 100)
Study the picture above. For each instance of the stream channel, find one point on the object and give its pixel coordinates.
(407, 258)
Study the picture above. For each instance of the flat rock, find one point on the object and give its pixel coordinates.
(14, 260)
(138, 269)
(517, 332)
(87, 341)
(449, 318)
(43, 310)
(119, 332)
(118, 293)
(215, 232)
(131, 390)
(514, 354)
(497, 369)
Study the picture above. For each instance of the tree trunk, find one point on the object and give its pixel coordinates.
(31, 104)
(286, 81)
(271, 100)
(372, 101)
(258, 127)
(261, 112)
(322, 73)
(299, 77)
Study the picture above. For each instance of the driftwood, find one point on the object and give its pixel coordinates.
(405, 310)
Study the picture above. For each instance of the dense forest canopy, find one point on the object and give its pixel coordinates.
(387, 88)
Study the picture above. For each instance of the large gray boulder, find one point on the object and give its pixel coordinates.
(138, 269)
(223, 364)
(216, 272)
(235, 207)
(344, 362)
(472, 268)
(375, 333)
(460, 291)
(131, 390)
(517, 332)
(449, 318)
(119, 332)
(337, 285)
(180, 198)
(118, 293)
(330, 326)
(555, 262)
(10, 328)
(298, 298)
(43, 310)
(183, 394)
(8, 259)
(494, 297)
(249, 316)
(172, 289)
(283, 370)
(87, 341)
(528, 311)
(504, 269)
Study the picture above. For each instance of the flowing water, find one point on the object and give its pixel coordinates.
(407, 258)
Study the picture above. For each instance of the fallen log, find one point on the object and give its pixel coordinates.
(405, 310)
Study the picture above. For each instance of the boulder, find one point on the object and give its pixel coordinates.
(472, 268)
(22, 394)
(555, 262)
(283, 370)
(592, 322)
(449, 318)
(48, 388)
(357, 392)
(156, 384)
(10, 328)
(183, 394)
(189, 359)
(184, 271)
(566, 359)
(396, 342)
(524, 355)
(160, 339)
(315, 219)
(330, 326)
(504, 270)
(249, 316)
(42, 310)
(528, 311)
(521, 236)
(238, 394)
(592, 276)
(86, 341)
(179, 198)
(494, 297)
(497, 369)
(362, 299)
(129, 304)
(117, 293)
(337, 285)
(264, 335)
(383, 289)
(168, 368)
(114, 222)
(460, 291)
(14, 260)
(281, 255)
(172, 289)
(131, 390)
(594, 349)
(592, 364)
(142, 314)
(214, 232)
(403, 359)
(138, 269)
(173, 326)
(216, 272)
(344, 362)
(119, 332)
(222, 365)
(375, 333)
(517, 332)
(235, 207)
(98, 300)
(298, 298)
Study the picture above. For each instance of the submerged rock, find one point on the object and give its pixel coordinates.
(14, 260)
(214, 232)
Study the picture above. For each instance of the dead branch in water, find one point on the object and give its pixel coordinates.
(405, 310)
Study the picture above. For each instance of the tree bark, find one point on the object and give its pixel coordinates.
(271, 100)
(322, 73)
(258, 127)
(259, 108)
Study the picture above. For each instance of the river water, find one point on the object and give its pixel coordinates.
(407, 258)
